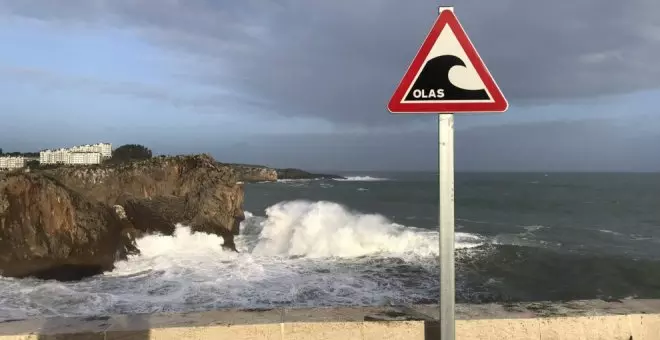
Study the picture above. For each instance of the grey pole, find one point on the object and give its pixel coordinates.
(446, 218)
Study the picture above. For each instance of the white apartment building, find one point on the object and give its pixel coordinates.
(105, 149)
(83, 154)
(10, 163)
(84, 158)
(53, 156)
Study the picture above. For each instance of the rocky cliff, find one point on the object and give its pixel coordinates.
(300, 174)
(50, 231)
(257, 173)
(156, 193)
(254, 173)
(85, 217)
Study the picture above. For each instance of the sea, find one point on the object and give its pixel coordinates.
(372, 239)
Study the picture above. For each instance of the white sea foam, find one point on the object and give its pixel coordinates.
(533, 228)
(605, 231)
(327, 229)
(637, 237)
(361, 179)
(301, 253)
(302, 180)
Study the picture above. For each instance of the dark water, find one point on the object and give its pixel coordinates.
(520, 237)
(550, 237)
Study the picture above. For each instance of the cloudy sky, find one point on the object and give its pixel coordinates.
(306, 83)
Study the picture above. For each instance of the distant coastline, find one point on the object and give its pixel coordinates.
(261, 173)
(131, 152)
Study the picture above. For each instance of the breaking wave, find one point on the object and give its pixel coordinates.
(327, 229)
(300, 254)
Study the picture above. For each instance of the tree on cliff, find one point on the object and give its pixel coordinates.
(130, 152)
(19, 154)
(33, 164)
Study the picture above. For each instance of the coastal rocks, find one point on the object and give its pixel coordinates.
(300, 174)
(49, 231)
(71, 222)
(162, 191)
(254, 173)
(257, 173)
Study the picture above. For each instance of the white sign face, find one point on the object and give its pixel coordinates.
(447, 75)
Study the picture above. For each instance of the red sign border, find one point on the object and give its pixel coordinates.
(447, 18)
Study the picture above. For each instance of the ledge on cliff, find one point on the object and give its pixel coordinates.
(300, 174)
(252, 173)
(87, 217)
(258, 173)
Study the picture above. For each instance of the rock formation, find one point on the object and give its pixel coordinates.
(257, 173)
(162, 191)
(300, 174)
(50, 231)
(79, 220)
(254, 173)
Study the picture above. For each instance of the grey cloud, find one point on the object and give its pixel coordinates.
(588, 145)
(341, 60)
(51, 81)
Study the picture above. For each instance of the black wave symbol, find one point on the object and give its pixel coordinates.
(435, 76)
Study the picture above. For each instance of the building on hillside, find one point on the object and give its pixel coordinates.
(105, 149)
(78, 155)
(10, 162)
(84, 158)
(58, 156)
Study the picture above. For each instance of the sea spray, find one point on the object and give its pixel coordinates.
(327, 229)
(300, 254)
(361, 179)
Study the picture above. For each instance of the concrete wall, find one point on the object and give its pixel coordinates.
(577, 320)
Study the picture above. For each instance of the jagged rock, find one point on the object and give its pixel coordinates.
(128, 232)
(49, 231)
(300, 174)
(254, 173)
(120, 211)
(258, 173)
(71, 222)
(162, 191)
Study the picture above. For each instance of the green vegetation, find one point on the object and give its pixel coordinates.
(33, 164)
(16, 154)
(245, 165)
(130, 152)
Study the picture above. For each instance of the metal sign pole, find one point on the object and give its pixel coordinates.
(446, 218)
(425, 89)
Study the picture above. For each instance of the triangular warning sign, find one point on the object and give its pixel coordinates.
(447, 75)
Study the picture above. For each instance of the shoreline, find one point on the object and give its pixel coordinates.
(582, 319)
